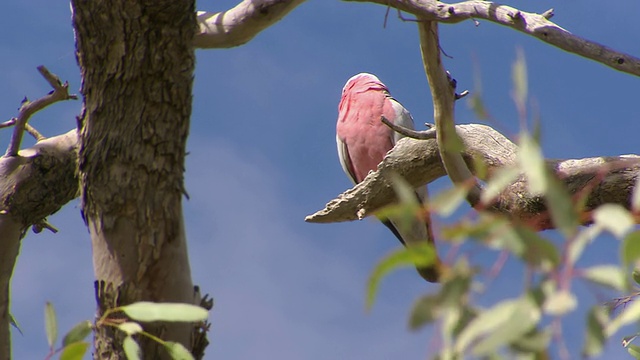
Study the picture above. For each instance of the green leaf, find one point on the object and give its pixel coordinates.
(563, 213)
(15, 324)
(405, 213)
(178, 351)
(480, 168)
(426, 310)
(486, 322)
(502, 178)
(577, 245)
(446, 202)
(475, 100)
(77, 333)
(630, 314)
(50, 324)
(630, 249)
(614, 218)
(456, 286)
(636, 276)
(534, 341)
(482, 229)
(538, 250)
(532, 163)
(477, 105)
(626, 341)
(130, 328)
(149, 311)
(74, 351)
(560, 303)
(450, 323)
(634, 350)
(595, 337)
(406, 194)
(466, 315)
(524, 318)
(528, 245)
(519, 76)
(131, 348)
(418, 255)
(611, 276)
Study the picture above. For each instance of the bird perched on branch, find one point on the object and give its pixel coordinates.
(363, 141)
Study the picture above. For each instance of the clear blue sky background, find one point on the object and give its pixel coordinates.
(263, 156)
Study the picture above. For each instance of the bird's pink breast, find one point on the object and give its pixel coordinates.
(359, 126)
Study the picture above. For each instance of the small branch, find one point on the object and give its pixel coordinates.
(35, 133)
(240, 24)
(443, 93)
(8, 123)
(43, 224)
(548, 14)
(60, 92)
(422, 135)
(536, 25)
(30, 129)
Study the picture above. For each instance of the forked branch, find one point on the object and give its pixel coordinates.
(60, 92)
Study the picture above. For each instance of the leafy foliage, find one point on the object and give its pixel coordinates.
(525, 324)
(74, 347)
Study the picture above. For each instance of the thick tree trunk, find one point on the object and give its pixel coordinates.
(137, 63)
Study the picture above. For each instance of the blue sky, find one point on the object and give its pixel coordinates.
(262, 156)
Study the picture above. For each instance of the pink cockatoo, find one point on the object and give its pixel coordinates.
(363, 141)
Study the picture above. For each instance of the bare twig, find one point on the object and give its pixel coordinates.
(8, 123)
(43, 224)
(536, 25)
(548, 14)
(30, 129)
(35, 133)
(60, 92)
(423, 135)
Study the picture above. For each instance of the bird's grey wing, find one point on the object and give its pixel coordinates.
(345, 160)
(403, 118)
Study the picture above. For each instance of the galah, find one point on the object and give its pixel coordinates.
(363, 141)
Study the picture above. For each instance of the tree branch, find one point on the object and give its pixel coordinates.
(536, 25)
(36, 183)
(240, 24)
(608, 179)
(444, 97)
(60, 92)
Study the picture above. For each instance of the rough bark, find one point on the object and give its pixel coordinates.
(137, 63)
